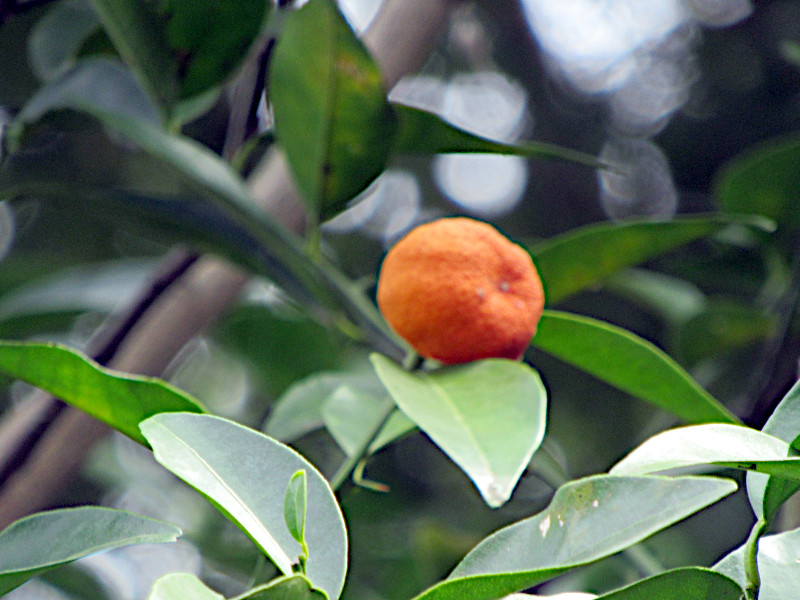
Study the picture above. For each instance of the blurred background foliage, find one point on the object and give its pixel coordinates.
(701, 99)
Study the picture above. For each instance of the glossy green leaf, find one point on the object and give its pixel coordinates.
(720, 444)
(587, 519)
(118, 399)
(45, 540)
(627, 362)
(210, 39)
(57, 37)
(763, 181)
(689, 583)
(246, 474)
(139, 37)
(181, 586)
(295, 587)
(331, 113)
(423, 132)
(489, 416)
(777, 565)
(584, 257)
(295, 505)
(766, 494)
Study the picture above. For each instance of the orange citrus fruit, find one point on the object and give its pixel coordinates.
(457, 290)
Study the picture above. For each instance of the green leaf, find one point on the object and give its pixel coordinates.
(583, 257)
(763, 181)
(777, 565)
(58, 36)
(766, 494)
(488, 416)
(295, 504)
(721, 326)
(423, 132)
(245, 474)
(689, 583)
(211, 39)
(720, 444)
(351, 416)
(173, 186)
(45, 540)
(95, 85)
(296, 587)
(299, 410)
(331, 113)
(588, 519)
(118, 399)
(181, 586)
(139, 37)
(629, 363)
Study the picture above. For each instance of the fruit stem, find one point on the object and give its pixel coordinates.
(350, 463)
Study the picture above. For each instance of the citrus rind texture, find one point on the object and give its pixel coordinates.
(457, 290)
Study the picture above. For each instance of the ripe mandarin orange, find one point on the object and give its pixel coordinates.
(457, 290)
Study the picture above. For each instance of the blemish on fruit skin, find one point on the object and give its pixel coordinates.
(504, 286)
(481, 293)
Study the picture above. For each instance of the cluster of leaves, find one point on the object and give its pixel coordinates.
(131, 79)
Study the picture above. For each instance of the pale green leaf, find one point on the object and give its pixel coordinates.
(720, 444)
(488, 416)
(45, 540)
(588, 519)
(246, 474)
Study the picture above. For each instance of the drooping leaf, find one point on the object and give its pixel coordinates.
(488, 416)
(423, 132)
(720, 444)
(118, 399)
(777, 565)
(331, 113)
(181, 586)
(766, 494)
(627, 362)
(46, 540)
(246, 474)
(140, 39)
(688, 583)
(583, 257)
(587, 519)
